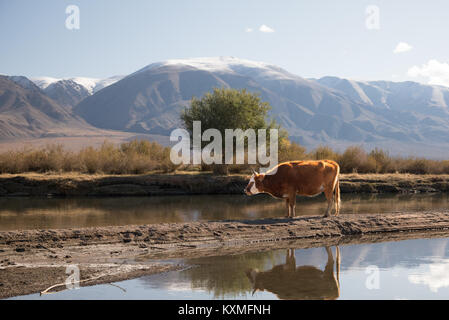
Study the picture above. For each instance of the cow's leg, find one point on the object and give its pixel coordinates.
(290, 201)
(287, 204)
(330, 199)
(292, 197)
(290, 261)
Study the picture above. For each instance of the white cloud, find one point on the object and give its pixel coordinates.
(265, 28)
(249, 30)
(435, 277)
(435, 71)
(402, 47)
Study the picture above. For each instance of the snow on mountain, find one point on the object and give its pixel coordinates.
(226, 65)
(67, 93)
(26, 111)
(92, 85)
(400, 96)
(102, 83)
(44, 82)
(24, 82)
(350, 87)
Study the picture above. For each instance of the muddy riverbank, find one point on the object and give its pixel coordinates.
(66, 185)
(123, 252)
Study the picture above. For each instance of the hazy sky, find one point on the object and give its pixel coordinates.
(408, 41)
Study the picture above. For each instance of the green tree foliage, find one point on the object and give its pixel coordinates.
(228, 109)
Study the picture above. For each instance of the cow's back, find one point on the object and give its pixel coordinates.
(308, 177)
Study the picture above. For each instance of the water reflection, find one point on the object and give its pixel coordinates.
(31, 213)
(435, 275)
(411, 269)
(292, 282)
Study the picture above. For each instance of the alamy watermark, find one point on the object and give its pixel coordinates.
(72, 22)
(213, 153)
(73, 280)
(372, 21)
(372, 281)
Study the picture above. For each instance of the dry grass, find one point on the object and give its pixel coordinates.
(133, 157)
(356, 160)
(142, 156)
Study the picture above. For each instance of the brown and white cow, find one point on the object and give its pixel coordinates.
(307, 178)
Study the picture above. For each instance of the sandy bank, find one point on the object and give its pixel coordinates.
(182, 184)
(138, 246)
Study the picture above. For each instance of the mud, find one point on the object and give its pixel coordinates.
(70, 185)
(123, 252)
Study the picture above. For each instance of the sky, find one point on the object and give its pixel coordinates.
(393, 40)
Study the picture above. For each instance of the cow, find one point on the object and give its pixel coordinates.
(288, 282)
(307, 178)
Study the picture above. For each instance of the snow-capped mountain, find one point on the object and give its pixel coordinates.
(421, 112)
(67, 93)
(92, 85)
(26, 111)
(24, 82)
(403, 117)
(226, 65)
(408, 96)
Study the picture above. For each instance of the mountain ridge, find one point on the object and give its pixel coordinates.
(406, 116)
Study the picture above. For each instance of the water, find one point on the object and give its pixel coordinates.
(411, 269)
(49, 213)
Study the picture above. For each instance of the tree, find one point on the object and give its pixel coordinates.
(227, 109)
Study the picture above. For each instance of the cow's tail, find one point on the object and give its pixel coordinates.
(336, 191)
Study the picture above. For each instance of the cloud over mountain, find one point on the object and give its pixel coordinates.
(434, 71)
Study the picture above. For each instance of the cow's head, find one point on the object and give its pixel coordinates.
(255, 185)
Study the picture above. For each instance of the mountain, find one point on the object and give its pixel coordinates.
(66, 92)
(149, 100)
(26, 111)
(91, 85)
(420, 112)
(69, 92)
(405, 118)
(24, 82)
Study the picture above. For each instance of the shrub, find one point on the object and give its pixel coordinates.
(131, 157)
(355, 159)
(381, 160)
(324, 153)
(289, 151)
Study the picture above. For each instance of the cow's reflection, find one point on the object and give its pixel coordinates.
(305, 282)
